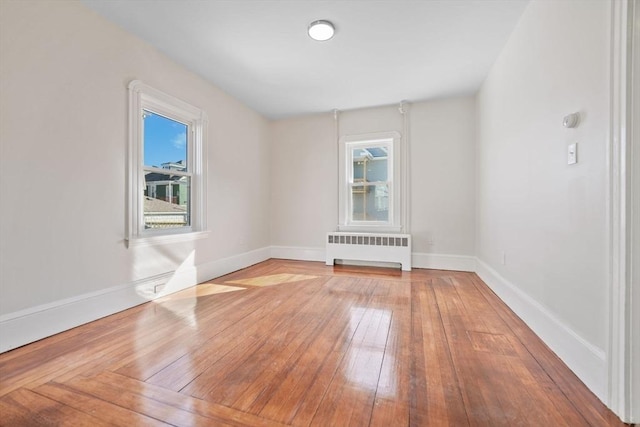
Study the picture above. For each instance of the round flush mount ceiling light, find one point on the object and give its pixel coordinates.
(321, 30)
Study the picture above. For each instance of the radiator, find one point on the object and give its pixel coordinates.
(369, 247)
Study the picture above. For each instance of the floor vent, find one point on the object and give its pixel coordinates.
(369, 247)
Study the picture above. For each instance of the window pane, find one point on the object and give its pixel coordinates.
(370, 202)
(165, 142)
(166, 200)
(370, 164)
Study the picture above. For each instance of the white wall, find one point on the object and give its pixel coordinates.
(442, 149)
(63, 128)
(64, 72)
(549, 218)
(537, 225)
(304, 177)
(443, 176)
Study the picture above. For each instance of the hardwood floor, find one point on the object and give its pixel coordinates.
(299, 343)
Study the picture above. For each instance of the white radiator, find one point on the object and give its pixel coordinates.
(369, 247)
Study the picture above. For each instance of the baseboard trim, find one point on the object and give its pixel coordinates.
(444, 262)
(298, 253)
(418, 260)
(223, 266)
(25, 326)
(35, 323)
(587, 361)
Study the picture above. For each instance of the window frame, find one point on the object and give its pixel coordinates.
(394, 166)
(142, 98)
(350, 147)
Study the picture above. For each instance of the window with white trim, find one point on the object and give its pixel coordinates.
(166, 166)
(370, 184)
(370, 171)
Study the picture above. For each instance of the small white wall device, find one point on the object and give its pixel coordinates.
(572, 154)
(571, 120)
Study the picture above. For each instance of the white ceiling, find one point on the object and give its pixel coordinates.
(383, 51)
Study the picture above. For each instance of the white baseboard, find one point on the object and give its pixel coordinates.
(418, 260)
(32, 324)
(443, 262)
(298, 253)
(587, 361)
(26, 326)
(223, 266)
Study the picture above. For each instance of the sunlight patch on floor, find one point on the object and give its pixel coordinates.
(274, 279)
(200, 291)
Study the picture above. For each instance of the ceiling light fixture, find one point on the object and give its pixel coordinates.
(321, 30)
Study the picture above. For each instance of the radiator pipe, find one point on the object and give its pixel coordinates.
(406, 167)
(336, 121)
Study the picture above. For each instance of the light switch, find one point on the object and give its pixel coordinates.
(572, 154)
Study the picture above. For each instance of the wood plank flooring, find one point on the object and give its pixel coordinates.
(300, 343)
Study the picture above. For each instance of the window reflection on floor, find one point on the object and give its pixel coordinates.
(367, 368)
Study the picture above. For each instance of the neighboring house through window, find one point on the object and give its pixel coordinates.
(166, 166)
(370, 182)
(371, 169)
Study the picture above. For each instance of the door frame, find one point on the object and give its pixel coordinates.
(623, 356)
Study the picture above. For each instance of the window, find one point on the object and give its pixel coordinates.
(370, 183)
(166, 166)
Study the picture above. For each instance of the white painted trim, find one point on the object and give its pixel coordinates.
(29, 325)
(154, 280)
(144, 97)
(615, 215)
(587, 361)
(167, 239)
(633, 278)
(227, 265)
(298, 253)
(390, 147)
(370, 137)
(369, 228)
(443, 261)
(32, 324)
(620, 361)
(397, 171)
(418, 260)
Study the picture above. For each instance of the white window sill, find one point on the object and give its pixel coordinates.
(364, 228)
(166, 239)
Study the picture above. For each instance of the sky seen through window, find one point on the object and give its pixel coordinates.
(165, 140)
